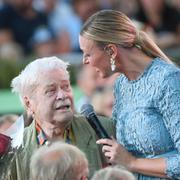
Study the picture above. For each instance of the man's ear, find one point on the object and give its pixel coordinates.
(28, 105)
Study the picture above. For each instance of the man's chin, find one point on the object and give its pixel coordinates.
(65, 116)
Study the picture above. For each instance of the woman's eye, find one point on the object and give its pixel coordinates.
(86, 55)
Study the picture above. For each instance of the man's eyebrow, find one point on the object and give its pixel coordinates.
(48, 85)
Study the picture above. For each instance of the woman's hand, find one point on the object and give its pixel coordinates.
(116, 153)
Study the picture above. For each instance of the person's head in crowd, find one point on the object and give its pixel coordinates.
(87, 79)
(9, 50)
(59, 161)
(43, 42)
(109, 81)
(113, 173)
(6, 122)
(49, 5)
(102, 101)
(45, 90)
(21, 5)
(85, 8)
(175, 4)
(127, 7)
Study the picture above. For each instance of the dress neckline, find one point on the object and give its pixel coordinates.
(142, 74)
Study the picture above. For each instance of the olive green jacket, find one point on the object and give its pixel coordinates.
(85, 138)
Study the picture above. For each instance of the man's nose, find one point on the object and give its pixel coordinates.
(61, 95)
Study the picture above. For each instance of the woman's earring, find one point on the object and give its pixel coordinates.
(113, 66)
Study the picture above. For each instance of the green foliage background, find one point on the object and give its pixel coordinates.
(10, 69)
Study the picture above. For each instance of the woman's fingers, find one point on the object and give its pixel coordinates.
(106, 141)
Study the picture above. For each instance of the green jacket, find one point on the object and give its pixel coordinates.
(85, 138)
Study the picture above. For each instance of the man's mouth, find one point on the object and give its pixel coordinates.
(64, 107)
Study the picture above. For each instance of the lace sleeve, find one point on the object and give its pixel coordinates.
(169, 106)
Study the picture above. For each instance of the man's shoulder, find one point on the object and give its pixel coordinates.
(106, 122)
(29, 136)
(80, 119)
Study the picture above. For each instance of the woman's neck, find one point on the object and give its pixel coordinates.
(134, 62)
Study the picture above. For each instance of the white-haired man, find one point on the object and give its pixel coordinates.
(45, 90)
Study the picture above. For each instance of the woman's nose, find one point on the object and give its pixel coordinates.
(85, 61)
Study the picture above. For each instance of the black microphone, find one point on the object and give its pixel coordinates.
(88, 111)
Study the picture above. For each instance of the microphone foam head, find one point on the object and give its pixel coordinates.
(86, 109)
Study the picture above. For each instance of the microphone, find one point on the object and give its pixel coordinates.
(88, 111)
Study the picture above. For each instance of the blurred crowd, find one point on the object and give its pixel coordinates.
(51, 27)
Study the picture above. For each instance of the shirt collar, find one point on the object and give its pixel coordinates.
(42, 139)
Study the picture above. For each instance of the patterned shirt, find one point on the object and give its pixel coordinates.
(42, 139)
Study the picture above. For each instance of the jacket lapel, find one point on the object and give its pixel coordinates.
(82, 131)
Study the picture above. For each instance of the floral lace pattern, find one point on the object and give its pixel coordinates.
(147, 115)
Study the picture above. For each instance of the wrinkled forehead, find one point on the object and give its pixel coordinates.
(54, 76)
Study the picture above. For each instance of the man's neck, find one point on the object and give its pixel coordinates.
(52, 131)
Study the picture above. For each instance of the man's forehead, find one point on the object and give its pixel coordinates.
(53, 83)
(53, 77)
(52, 73)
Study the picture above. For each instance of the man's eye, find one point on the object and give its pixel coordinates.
(66, 87)
(50, 91)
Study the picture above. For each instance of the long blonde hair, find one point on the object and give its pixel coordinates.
(110, 26)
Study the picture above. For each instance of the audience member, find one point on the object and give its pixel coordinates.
(13, 126)
(64, 25)
(102, 101)
(45, 90)
(113, 173)
(129, 8)
(66, 20)
(43, 42)
(6, 121)
(164, 20)
(59, 161)
(18, 22)
(87, 81)
(175, 4)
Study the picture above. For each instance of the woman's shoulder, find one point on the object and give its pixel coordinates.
(163, 69)
(166, 74)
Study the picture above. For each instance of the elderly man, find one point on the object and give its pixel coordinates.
(45, 90)
(60, 161)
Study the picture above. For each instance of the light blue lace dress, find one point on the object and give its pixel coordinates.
(147, 115)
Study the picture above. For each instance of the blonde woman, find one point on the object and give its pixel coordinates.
(147, 95)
